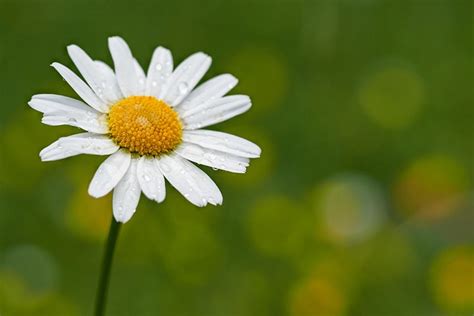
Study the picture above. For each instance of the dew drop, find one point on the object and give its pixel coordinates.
(146, 178)
(183, 88)
(159, 66)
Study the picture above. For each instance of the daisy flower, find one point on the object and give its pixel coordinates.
(150, 125)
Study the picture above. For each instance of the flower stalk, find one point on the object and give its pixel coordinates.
(102, 289)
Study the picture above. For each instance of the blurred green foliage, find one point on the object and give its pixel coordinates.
(361, 203)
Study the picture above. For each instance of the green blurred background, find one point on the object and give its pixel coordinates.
(361, 203)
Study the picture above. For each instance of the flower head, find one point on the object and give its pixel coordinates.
(150, 125)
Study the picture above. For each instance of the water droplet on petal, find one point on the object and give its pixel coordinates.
(183, 88)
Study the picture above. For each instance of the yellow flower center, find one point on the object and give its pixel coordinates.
(144, 125)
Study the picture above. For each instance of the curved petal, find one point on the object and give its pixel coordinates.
(47, 103)
(109, 75)
(125, 68)
(161, 67)
(212, 158)
(126, 194)
(94, 125)
(109, 173)
(222, 142)
(190, 181)
(102, 84)
(141, 77)
(151, 179)
(185, 78)
(208, 91)
(83, 143)
(61, 110)
(215, 111)
(81, 88)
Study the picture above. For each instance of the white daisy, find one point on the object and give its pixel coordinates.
(150, 125)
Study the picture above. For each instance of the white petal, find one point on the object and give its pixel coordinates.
(52, 102)
(212, 158)
(141, 77)
(101, 82)
(125, 68)
(222, 142)
(61, 110)
(208, 91)
(109, 75)
(126, 194)
(109, 173)
(185, 78)
(81, 88)
(161, 67)
(151, 179)
(84, 143)
(93, 125)
(55, 151)
(215, 111)
(190, 181)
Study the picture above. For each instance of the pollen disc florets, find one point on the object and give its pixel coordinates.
(144, 125)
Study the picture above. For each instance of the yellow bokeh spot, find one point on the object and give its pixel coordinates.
(16, 298)
(144, 125)
(392, 97)
(452, 277)
(431, 188)
(317, 296)
(89, 217)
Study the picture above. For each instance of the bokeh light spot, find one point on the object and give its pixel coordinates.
(89, 217)
(431, 187)
(350, 208)
(452, 278)
(317, 296)
(33, 265)
(392, 96)
(17, 299)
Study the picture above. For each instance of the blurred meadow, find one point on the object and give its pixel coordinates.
(362, 201)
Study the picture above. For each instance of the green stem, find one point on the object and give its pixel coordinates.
(106, 267)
